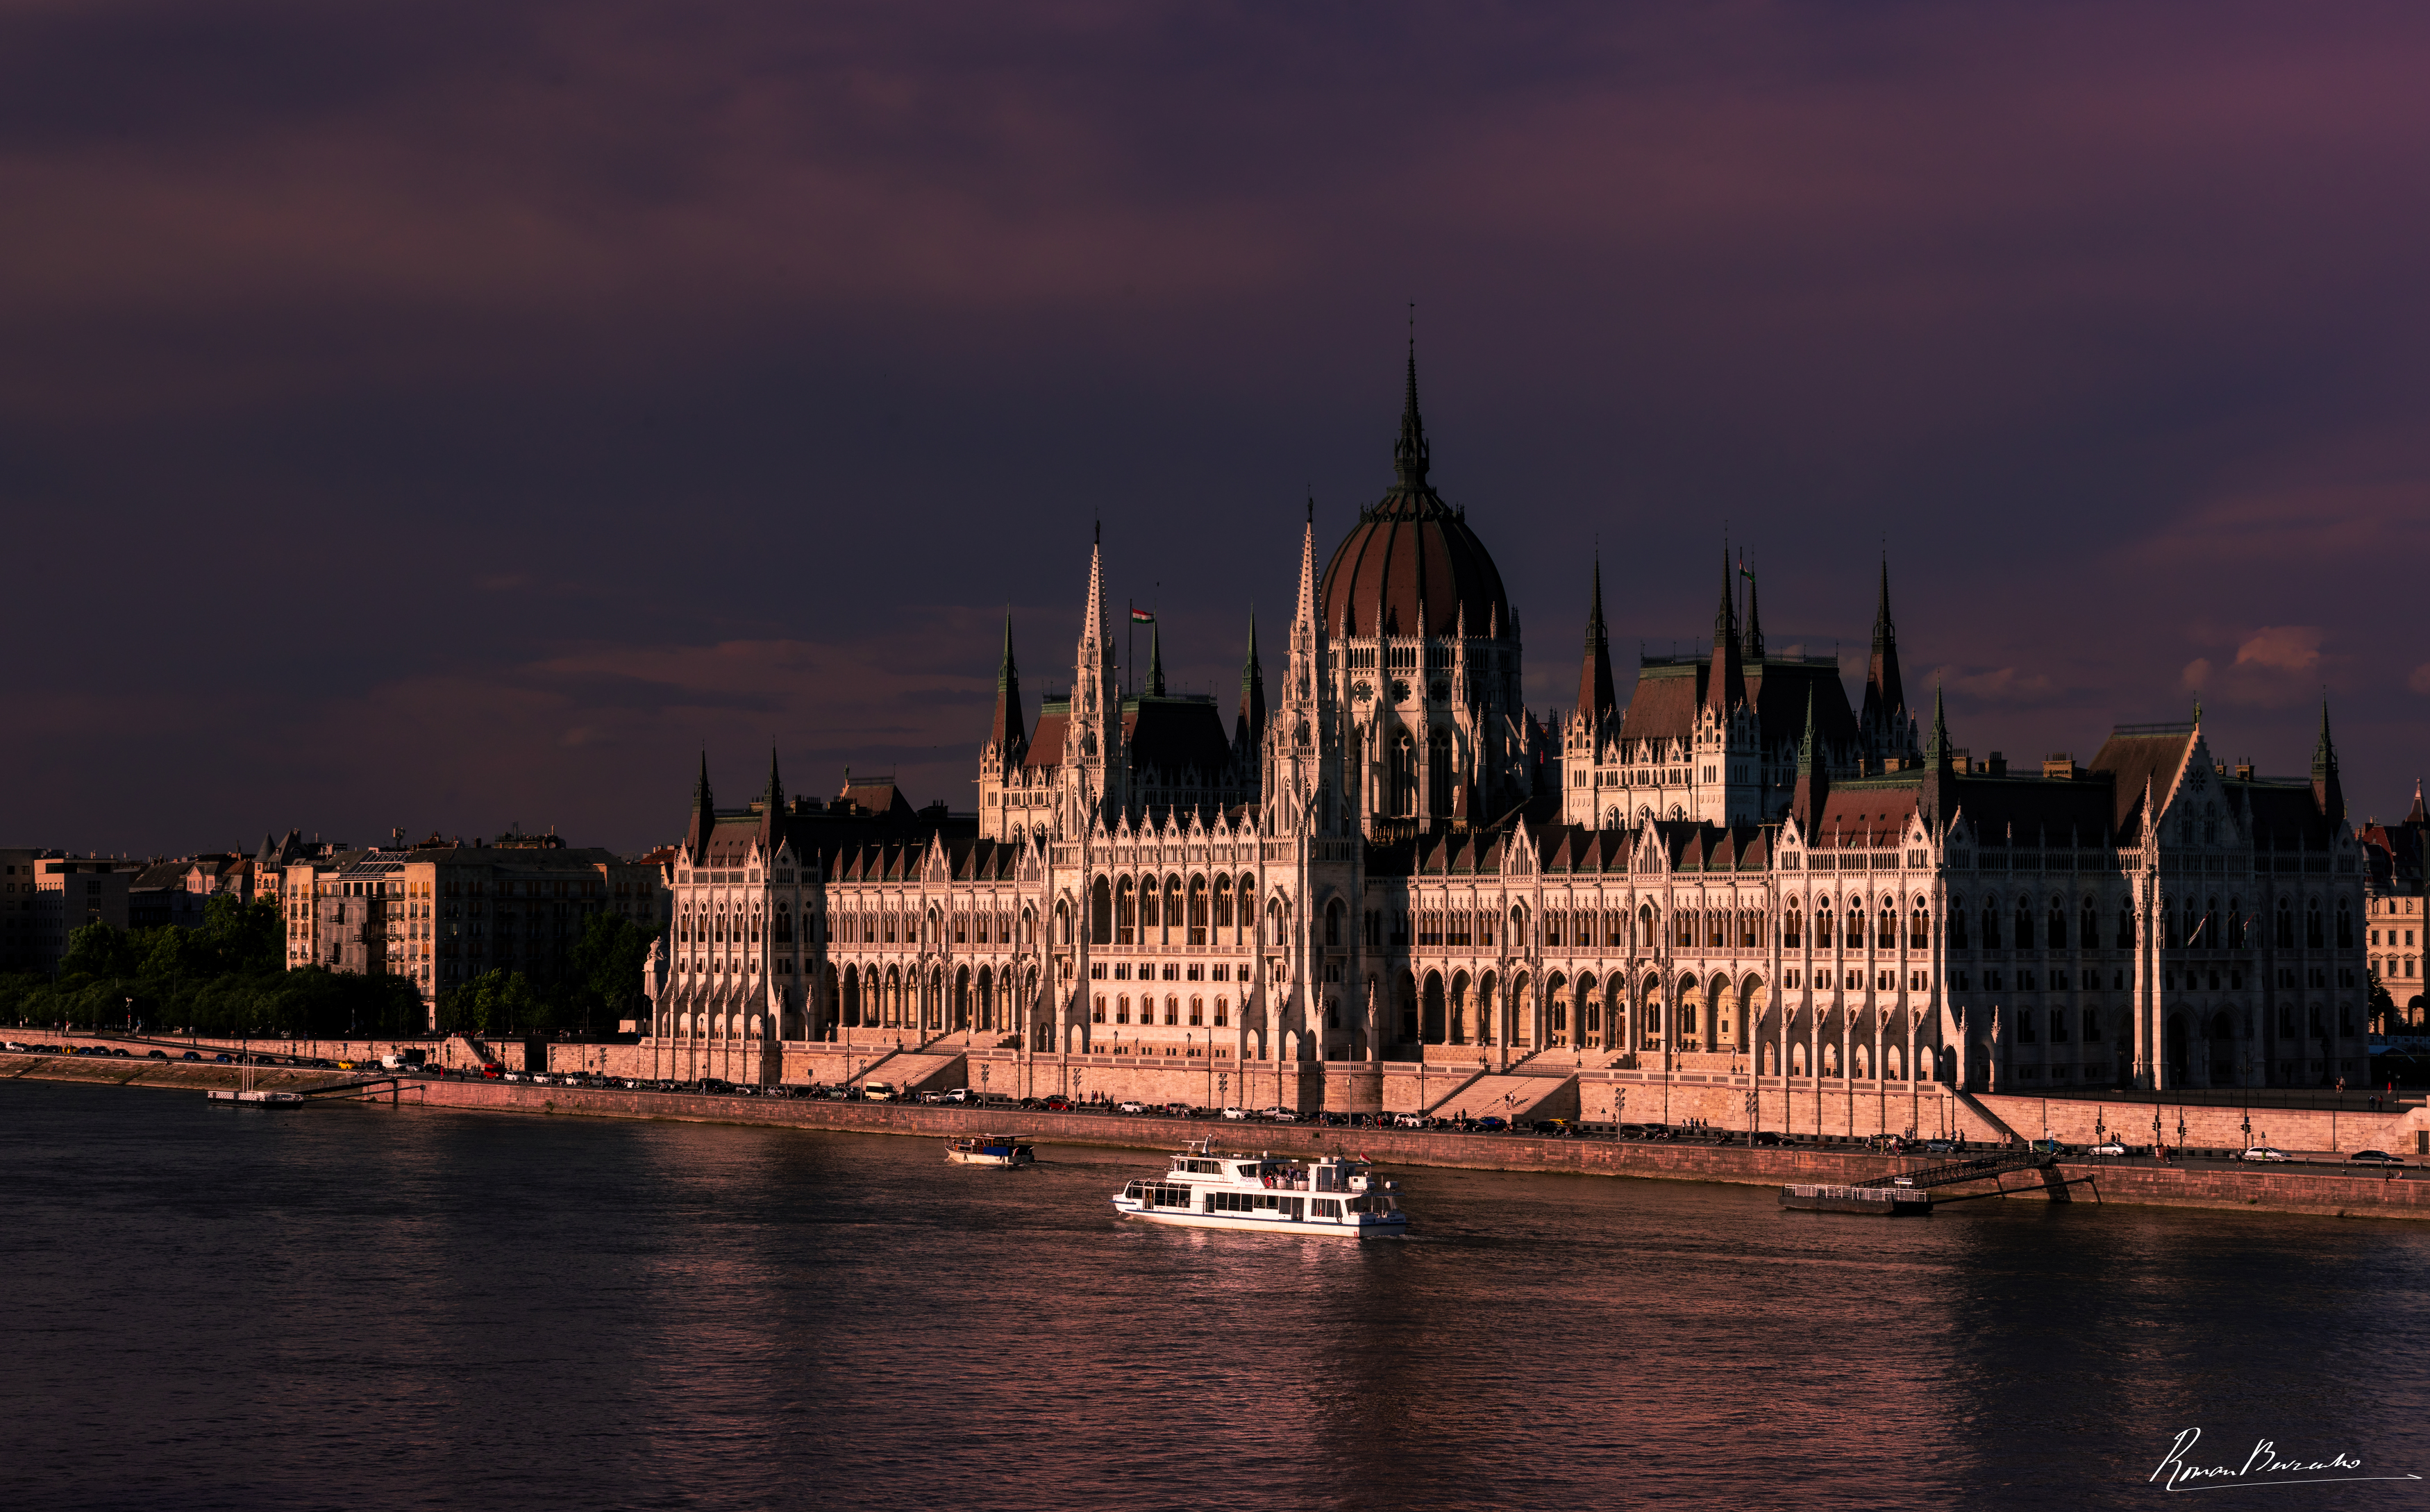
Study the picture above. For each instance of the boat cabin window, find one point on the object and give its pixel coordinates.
(1200, 1168)
(1244, 1171)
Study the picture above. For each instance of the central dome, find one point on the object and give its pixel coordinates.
(1412, 566)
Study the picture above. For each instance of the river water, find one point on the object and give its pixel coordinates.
(364, 1308)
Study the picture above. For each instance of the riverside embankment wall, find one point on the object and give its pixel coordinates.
(2331, 1192)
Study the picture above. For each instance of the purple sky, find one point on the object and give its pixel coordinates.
(441, 415)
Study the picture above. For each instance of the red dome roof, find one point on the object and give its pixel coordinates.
(1412, 550)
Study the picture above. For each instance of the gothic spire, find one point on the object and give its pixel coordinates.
(1251, 728)
(2326, 789)
(1010, 729)
(1885, 707)
(775, 793)
(1154, 660)
(1596, 698)
(1937, 755)
(1754, 637)
(1725, 688)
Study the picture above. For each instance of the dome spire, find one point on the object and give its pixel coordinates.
(1411, 454)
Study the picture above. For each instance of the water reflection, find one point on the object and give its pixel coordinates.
(428, 1307)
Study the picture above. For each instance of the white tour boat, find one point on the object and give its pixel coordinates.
(988, 1149)
(1332, 1195)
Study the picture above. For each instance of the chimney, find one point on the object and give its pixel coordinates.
(1998, 765)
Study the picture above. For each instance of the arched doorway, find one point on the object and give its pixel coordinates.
(1430, 1027)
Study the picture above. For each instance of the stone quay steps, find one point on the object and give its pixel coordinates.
(914, 1071)
(1530, 1095)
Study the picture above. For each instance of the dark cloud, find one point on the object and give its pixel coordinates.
(441, 414)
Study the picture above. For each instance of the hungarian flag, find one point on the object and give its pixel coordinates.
(1141, 617)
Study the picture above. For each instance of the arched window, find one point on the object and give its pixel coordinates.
(1821, 924)
(2058, 925)
(1274, 922)
(1333, 923)
(1438, 804)
(2125, 925)
(1991, 923)
(1792, 928)
(1122, 1008)
(1957, 922)
(2313, 937)
(1171, 907)
(1172, 1010)
(1856, 935)
(1197, 912)
(1101, 913)
(1404, 790)
(1198, 1011)
(1149, 915)
(1918, 926)
(1223, 902)
(2024, 925)
(2286, 925)
(1886, 923)
(2345, 926)
(1062, 920)
(1125, 914)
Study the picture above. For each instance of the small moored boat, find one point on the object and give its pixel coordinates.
(988, 1149)
(1332, 1196)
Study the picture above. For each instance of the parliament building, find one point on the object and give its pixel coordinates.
(1386, 883)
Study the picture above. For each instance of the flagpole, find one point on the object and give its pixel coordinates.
(1130, 638)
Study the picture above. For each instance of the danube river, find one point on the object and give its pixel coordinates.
(365, 1309)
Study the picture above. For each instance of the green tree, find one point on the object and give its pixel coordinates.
(99, 949)
(607, 962)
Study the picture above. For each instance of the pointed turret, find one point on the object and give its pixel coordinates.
(1885, 711)
(1596, 699)
(1939, 766)
(1011, 731)
(1725, 687)
(1155, 658)
(771, 807)
(1813, 780)
(1410, 455)
(2416, 815)
(704, 814)
(1250, 729)
(1093, 733)
(2325, 791)
(1753, 637)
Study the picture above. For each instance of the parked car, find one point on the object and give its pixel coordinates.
(1410, 1120)
(156, 1055)
(1058, 1103)
(1238, 1114)
(2263, 1152)
(191, 1055)
(960, 1095)
(1492, 1123)
(932, 1099)
(1552, 1128)
(1279, 1114)
(2374, 1158)
(878, 1091)
(1130, 1107)
(1769, 1136)
(1937, 1147)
